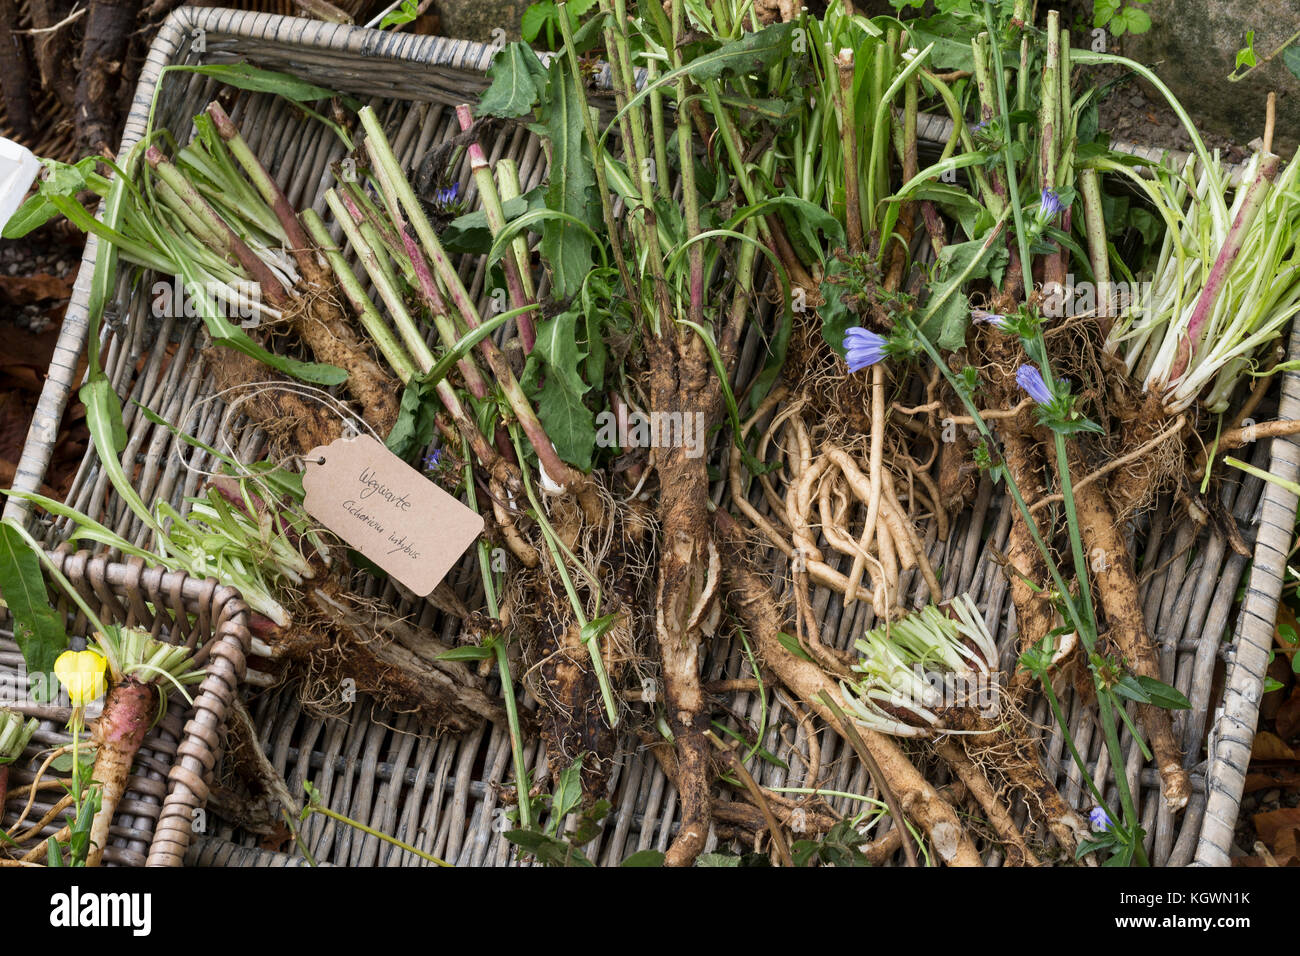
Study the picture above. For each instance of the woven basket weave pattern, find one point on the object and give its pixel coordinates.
(170, 780)
(440, 793)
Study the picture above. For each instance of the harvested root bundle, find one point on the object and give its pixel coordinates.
(143, 672)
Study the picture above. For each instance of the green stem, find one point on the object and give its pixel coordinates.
(356, 824)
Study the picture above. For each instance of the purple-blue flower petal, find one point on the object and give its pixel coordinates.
(990, 318)
(1031, 380)
(1050, 203)
(1099, 818)
(862, 348)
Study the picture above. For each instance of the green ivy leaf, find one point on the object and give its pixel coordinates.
(1291, 59)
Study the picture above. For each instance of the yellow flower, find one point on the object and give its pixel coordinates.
(82, 675)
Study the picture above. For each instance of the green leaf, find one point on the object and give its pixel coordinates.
(1128, 687)
(727, 860)
(60, 179)
(644, 858)
(956, 202)
(791, 644)
(548, 849)
(1162, 695)
(752, 53)
(403, 14)
(470, 652)
(834, 312)
(1291, 59)
(948, 310)
(245, 76)
(566, 250)
(517, 82)
(568, 794)
(1135, 20)
(534, 18)
(558, 357)
(38, 627)
(1246, 55)
(415, 423)
(812, 222)
(470, 233)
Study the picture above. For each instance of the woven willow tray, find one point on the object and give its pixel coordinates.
(441, 793)
(170, 779)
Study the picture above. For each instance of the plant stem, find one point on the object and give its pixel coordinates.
(356, 824)
(496, 218)
(370, 319)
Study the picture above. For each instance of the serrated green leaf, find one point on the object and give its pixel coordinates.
(556, 359)
(38, 627)
(752, 53)
(566, 250)
(517, 82)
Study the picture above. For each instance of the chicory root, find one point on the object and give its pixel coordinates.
(1117, 587)
(129, 711)
(751, 597)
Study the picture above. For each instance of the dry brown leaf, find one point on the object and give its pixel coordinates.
(1280, 830)
(21, 290)
(1269, 746)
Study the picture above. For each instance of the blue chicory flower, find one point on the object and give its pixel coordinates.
(863, 348)
(433, 460)
(1099, 818)
(999, 322)
(1049, 205)
(446, 197)
(1031, 380)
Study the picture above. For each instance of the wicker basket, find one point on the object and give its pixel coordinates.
(440, 793)
(170, 778)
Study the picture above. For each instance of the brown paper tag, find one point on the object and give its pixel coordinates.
(388, 511)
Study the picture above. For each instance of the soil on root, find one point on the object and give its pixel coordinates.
(293, 423)
(320, 324)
